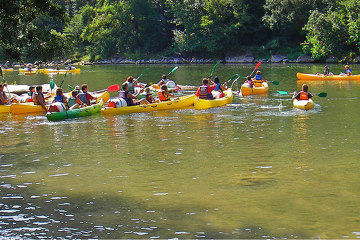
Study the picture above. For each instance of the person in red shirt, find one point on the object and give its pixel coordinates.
(204, 91)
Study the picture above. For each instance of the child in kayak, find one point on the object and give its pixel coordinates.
(164, 94)
(149, 96)
(218, 92)
(303, 94)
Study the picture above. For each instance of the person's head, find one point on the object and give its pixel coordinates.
(31, 89)
(147, 90)
(248, 78)
(258, 72)
(304, 88)
(59, 92)
(205, 81)
(125, 86)
(74, 93)
(164, 88)
(84, 87)
(216, 79)
(130, 79)
(346, 66)
(163, 77)
(326, 67)
(39, 89)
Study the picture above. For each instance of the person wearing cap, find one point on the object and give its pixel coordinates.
(347, 70)
(258, 79)
(77, 89)
(326, 70)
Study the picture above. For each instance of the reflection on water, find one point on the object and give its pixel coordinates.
(255, 169)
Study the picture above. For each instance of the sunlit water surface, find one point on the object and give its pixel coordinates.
(256, 168)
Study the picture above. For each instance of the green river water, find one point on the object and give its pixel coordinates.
(256, 168)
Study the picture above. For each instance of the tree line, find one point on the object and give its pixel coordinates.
(48, 30)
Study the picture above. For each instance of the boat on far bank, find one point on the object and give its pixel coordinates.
(322, 77)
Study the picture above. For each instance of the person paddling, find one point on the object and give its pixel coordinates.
(219, 89)
(164, 94)
(129, 97)
(303, 94)
(3, 98)
(204, 91)
(347, 70)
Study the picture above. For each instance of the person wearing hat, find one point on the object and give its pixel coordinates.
(347, 70)
(258, 79)
(77, 89)
(326, 70)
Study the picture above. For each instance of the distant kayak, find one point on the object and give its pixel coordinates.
(303, 104)
(306, 76)
(201, 104)
(60, 71)
(247, 90)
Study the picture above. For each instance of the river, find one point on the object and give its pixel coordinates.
(256, 168)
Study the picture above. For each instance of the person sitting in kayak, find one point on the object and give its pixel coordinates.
(129, 97)
(74, 102)
(84, 96)
(3, 98)
(132, 84)
(149, 96)
(303, 94)
(204, 91)
(219, 89)
(30, 93)
(347, 70)
(326, 70)
(39, 98)
(164, 80)
(164, 94)
(249, 81)
(258, 79)
(61, 98)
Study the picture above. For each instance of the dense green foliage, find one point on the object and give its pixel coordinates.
(101, 29)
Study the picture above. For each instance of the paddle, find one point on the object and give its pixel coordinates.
(173, 70)
(322, 94)
(112, 88)
(233, 77)
(256, 67)
(147, 69)
(70, 88)
(273, 82)
(214, 68)
(68, 69)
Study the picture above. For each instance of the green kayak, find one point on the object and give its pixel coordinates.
(75, 113)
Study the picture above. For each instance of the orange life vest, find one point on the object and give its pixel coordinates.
(162, 96)
(304, 96)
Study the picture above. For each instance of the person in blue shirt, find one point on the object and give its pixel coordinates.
(347, 70)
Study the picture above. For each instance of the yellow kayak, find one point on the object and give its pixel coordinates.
(7, 69)
(247, 90)
(201, 104)
(26, 108)
(4, 108)
(61, 71)
(26, 70)
(321, 77)
(303, 104)
(177, 103)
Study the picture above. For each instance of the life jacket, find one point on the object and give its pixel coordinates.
(59, 98)
(162, 96)
(304, 96)
(258, 77)
(117, 102)
(257, 83)
(131, 87)
(204, 93)
(148, 97)
(218, 87)
(72, 101)
(83, 98)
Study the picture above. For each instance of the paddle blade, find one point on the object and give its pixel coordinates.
(233, 77)
(282, 92)
(214, 68)
(257, 65)
(173, 70)
(113, 88)
(52, 85)
(70, 88)
(322, 94)
(275, 82)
